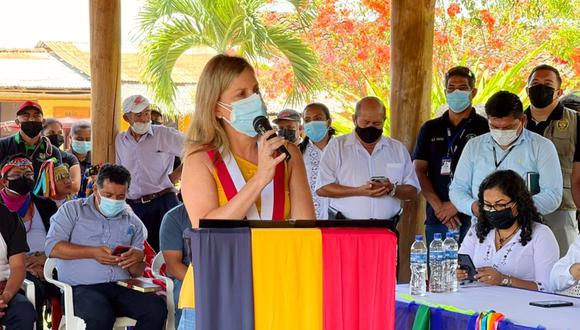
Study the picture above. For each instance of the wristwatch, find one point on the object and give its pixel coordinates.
(393, 191)
(506, 281)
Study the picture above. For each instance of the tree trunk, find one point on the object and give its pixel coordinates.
(412, 27)
(105, 22)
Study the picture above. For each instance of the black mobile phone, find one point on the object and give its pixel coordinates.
(552, 303)
(465, 263)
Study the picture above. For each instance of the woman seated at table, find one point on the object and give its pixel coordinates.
(229, 171)
(509, 245)
(566, 272)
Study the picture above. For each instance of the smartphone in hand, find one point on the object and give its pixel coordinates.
(379, 178)
(465, 263)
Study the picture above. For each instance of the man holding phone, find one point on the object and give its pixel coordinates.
(366, 175)
(98, 240)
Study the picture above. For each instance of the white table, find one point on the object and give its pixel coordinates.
(512, 302)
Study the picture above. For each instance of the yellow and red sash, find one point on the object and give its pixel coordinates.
(232, 181)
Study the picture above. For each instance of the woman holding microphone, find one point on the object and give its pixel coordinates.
(231, 172)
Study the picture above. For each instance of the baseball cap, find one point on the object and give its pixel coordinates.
(135, 103)
(29, 105)
(288, 114)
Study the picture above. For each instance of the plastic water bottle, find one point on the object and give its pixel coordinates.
(451, 248)
(418, 285)
(436, 264)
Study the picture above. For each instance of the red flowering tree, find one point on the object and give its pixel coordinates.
(500, 40)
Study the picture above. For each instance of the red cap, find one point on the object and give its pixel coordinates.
(29, 105)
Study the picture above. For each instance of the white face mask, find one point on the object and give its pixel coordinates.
(504, 137)
(141, 128)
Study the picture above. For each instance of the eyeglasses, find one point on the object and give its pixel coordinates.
(497, 207)
(16, 177)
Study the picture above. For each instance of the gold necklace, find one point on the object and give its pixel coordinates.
(504, 239)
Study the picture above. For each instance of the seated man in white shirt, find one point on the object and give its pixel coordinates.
(566, 272)
(365, 174)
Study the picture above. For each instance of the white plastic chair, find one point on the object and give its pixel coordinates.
(28, 288)
(70, 321)
(158, 261)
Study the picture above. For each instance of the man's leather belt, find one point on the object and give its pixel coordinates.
(147, 198)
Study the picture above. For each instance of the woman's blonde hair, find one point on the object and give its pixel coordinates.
(217, 75)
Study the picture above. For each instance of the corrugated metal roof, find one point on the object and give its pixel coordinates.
(37, 69)
(183, 96)
(186, 71)
(64, 66)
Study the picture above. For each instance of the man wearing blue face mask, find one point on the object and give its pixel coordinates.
(80, 148)
(439, 145)
(549, 118)
(508, 145)
(83, 235)
(148, 152)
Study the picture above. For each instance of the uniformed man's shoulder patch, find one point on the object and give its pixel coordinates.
(562, 124)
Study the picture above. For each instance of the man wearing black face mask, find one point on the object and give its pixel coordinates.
(289, 125)
(365, 174)
(29, 141)
(156, 115)
(548, 117)
(54, 131)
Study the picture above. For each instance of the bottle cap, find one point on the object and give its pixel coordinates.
(419, 237)
(450, 234)
(437, 236)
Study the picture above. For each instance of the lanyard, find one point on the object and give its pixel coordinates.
(503, 158)
(451, 140)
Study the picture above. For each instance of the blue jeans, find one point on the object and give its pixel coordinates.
(20, 314)
(99, 304)
(151, 214)
(430, 231)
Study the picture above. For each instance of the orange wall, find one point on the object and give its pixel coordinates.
(80, 108)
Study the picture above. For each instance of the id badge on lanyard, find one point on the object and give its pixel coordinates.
(451, 149)
(446, 165)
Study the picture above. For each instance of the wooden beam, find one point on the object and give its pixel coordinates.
(105, 25)
(6, 96)
(412, 28)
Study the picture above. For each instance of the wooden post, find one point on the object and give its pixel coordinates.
(105, 22)
(412, 27)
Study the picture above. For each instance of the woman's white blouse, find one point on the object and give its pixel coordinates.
(312, 162)
(560, 278)
(532, 262)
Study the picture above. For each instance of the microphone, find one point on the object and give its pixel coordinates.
(262, 125)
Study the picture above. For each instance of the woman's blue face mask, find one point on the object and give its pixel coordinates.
(316, 130)
(244, 112)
